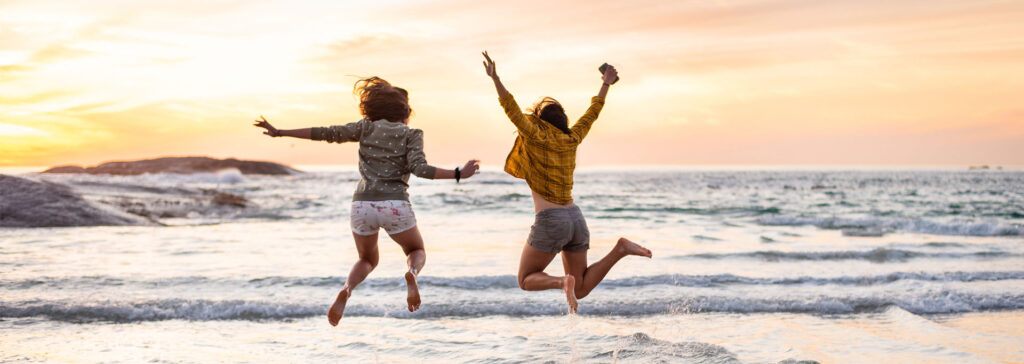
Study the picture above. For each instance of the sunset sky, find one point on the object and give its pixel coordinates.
(703, 82)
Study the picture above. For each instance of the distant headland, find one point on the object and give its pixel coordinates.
(180, 165)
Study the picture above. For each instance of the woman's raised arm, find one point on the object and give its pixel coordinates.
(582, 126)
(512, 110)
(493, 73)
(609, 77)
(350, 132)
(275, 132)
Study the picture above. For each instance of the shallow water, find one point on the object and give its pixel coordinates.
(749, 266)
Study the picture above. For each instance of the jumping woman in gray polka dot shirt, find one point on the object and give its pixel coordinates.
(388, 152)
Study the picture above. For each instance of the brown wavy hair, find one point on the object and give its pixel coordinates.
(378, 99)
(551, 111)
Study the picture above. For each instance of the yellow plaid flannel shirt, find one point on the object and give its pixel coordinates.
(543, 155)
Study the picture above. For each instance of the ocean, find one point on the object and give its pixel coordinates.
(769, 265)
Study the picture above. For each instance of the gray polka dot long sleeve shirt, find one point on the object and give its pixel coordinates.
(388, 153)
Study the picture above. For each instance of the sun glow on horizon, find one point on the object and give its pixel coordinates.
(745, 82)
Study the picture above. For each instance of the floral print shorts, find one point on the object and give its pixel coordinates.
(394, 216)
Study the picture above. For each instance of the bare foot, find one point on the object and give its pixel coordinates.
(569, 286)
(338, 308)
(627, 247)
(414, 290)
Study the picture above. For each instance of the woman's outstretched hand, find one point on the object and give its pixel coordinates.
(489, 66)
(271, 130)
(470, 168)
(610, 75)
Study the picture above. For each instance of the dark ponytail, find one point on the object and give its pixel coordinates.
(549, 110)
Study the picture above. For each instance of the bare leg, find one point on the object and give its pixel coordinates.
(366, 245)
(532, 276)
(412, 244)
(575, 264)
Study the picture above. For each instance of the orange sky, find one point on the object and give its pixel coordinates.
(703, 82)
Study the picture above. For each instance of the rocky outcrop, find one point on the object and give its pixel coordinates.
(28, 203)
(174, 203)
(181, 165)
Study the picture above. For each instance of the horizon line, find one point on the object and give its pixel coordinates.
(20, 169)
(587, 165)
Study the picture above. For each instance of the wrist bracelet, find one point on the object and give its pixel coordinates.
(457, 174)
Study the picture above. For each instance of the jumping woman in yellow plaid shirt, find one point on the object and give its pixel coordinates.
(544, 154)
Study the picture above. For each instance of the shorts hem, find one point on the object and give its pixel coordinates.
(577, 250)
(361, 234)
(399, 231)
(546, 250)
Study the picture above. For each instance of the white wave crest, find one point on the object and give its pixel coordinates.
(931, 302)
(505, 282)
(224, 176)
(878, 226)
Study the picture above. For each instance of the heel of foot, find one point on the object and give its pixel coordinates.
(569, 285)
(410, 278)
(337, 309)
(413, 298)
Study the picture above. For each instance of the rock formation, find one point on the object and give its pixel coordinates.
(28, 203)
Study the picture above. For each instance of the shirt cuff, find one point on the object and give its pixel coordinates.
(426, 171)
(317, 133)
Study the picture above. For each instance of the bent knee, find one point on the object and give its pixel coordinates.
(580, 293)
(522, 281)
(372, 261)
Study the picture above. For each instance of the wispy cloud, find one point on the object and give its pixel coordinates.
(12, 130)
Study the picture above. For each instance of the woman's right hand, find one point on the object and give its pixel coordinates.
(271, 130)
(489, 66)
(471, 167)
(493, 73)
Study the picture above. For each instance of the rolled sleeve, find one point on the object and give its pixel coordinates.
(515, 114)
(582, 126)
(416, 159)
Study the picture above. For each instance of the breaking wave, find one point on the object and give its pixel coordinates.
(210, 310)
(479, 283)
(878, 255)
(881, 226)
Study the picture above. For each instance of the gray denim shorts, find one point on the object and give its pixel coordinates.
(558, 229)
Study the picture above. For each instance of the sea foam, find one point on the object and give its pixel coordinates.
(932, 302)
(879, 225)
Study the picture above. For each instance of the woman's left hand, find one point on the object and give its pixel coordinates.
(470, 168)
(271, 130)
